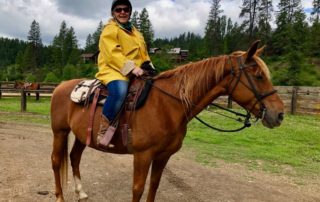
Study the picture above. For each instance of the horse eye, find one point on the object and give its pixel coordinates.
(259, 77)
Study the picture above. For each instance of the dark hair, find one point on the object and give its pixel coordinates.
(121, 2)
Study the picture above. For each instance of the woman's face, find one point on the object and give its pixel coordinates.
(121, 13)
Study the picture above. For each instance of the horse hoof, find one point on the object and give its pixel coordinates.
(83, 196)
(60, 199)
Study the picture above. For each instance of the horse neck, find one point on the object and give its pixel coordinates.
(197, 84)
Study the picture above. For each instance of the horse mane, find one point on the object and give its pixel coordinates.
(195, 79)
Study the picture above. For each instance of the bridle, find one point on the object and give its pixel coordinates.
(235, 77)
(259, 97)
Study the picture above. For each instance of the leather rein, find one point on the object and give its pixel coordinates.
(237, 77)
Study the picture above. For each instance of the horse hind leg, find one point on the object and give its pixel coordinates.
(75, 157)
(59, 159)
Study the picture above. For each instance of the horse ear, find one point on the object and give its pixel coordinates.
(252, 50)
(260, 50)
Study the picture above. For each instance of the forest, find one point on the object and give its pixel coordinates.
(292, 44)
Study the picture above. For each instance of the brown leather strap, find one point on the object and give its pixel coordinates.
(91, 115)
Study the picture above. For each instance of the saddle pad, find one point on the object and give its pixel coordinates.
(83, 90)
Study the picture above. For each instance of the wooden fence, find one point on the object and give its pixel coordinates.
(297, 100)
(7, 90)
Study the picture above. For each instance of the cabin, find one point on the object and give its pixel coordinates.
(90, 57)
(178, 54)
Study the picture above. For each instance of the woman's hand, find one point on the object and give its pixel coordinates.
(137, 71)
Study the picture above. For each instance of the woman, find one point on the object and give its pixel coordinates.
(122, 52)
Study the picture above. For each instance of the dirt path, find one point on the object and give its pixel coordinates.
(25, 170)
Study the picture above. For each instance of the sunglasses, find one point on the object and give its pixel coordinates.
(119, 10)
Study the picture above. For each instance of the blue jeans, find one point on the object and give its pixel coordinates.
(117, 94)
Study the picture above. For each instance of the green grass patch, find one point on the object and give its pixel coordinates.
(37, 110)
(293, 148)
(41, 106)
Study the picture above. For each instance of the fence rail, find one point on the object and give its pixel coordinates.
(7, 89)
(297, 99)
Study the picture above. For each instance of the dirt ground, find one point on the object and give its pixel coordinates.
(26, 175)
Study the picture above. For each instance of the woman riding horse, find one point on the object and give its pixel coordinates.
(122, 52)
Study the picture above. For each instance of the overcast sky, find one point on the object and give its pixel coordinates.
(169, 18)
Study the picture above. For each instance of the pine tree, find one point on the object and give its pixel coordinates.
(65, 48)
(89, 43)
(145, 27)
(32, 54)
(135, 19)
(72, 53)
(264, 18)
(92, 42)
(213, 36)
(59, 58)
(96, 37)
(314, 41)
(249, 11)
(289, 38)
(316, 10)
(290, 14)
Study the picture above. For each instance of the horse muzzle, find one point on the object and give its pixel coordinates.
(272, 119)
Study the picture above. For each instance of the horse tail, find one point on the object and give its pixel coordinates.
(64, 165)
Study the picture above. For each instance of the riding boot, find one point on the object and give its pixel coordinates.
(105, 133)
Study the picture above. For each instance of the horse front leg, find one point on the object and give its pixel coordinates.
(75, 157)
(158, 166)
(142, 162)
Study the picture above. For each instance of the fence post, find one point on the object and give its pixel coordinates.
(23, 100)
(294, 99)
(37, 96)
(229, 102)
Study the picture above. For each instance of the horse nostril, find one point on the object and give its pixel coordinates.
(281, 116)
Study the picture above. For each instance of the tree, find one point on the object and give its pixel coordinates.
(291, 27)
(145, 27)
(264, 18)
(314, 41)
(89, 43)
(71, 46)
(92, 43)
(290, 37)
(213, 35)
(65, 48)
(316, 10)
(249, 11)
(32, 54)
(51, 77)
(59, 46)
(135, 19)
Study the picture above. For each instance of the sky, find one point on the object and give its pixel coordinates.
(169, 18)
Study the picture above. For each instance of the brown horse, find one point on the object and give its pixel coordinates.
(27, 86)
(159, 127)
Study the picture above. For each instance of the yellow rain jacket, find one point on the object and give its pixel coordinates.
(120, 52)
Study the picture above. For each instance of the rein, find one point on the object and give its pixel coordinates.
(251, 87)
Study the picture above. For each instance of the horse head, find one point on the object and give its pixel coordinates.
(249, 84)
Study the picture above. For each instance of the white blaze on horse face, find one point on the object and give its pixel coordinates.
(78, 188)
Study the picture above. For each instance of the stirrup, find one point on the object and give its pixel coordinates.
(104, 141)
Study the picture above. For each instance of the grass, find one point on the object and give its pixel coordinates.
(37, 111)
(292, 149)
